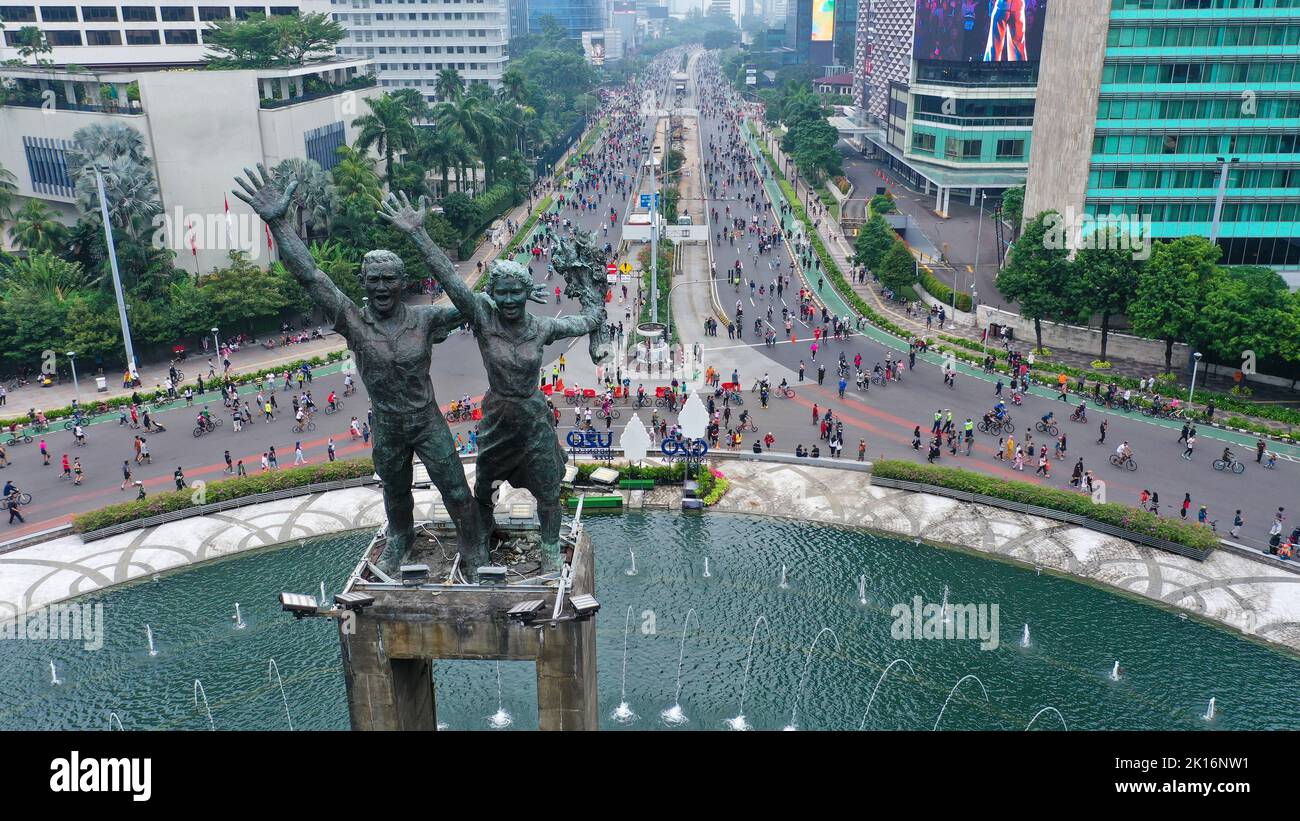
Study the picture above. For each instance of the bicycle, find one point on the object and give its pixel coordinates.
(1233, 465)
(1047, 427)
(307, 424)
(18, 439)
(24, 499)
(612, 414)
(1126, 461)
(330, 411)
(785, 393)
(877, 379)
(749, 425)
(459, 415)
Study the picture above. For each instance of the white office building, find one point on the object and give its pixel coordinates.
(411, 41)
(199, 128)
(123, 33)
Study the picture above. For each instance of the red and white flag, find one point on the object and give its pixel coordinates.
(268, 236)
(194, 247)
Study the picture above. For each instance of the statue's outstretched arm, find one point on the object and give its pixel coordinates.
(591, 318)
(271, 204)
(409, 219)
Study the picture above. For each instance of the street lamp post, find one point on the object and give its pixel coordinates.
(216, 340)
(979, 229)
(76, 386)
(1224, 165)
(1191, 390)
(117, 279)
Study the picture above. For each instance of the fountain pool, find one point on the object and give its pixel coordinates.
(1173, 666)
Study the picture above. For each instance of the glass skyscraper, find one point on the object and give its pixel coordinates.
(576, 16)
(1165, 98)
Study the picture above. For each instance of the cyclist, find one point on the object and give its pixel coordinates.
(1000, 410)
(1047, 418)
(1081, 412)
(348, 387)
(1124, 451)
(1228, 458)
(640, 395)
(785, 386)
(332, 401)
(744, 418)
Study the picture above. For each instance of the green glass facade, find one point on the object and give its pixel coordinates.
(1187, 86)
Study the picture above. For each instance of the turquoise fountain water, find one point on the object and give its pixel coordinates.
(1172, 665)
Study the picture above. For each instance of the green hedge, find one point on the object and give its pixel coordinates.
(1128, 518)
(712, 483)
(153, 395)
(223, 490)
(942, 292)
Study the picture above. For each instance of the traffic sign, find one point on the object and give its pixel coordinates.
(645, 200)
(625, 268)
(611, 268)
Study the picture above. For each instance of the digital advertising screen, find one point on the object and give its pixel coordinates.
(823, 21)
(979, 31)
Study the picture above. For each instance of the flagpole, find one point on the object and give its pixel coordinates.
(117, 280)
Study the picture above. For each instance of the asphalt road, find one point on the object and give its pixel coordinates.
(884, 418)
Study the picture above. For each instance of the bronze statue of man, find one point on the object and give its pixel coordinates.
(517, 442)
(393, 345)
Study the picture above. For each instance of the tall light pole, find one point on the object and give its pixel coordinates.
(72, 357)
(216, 340)
(1196, 361)
(654, 240)
(979, 229)
(1224, 165)
(117, 279)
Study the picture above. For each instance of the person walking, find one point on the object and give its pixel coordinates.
(12, 501)
(272, 459)
(1191, 443)
(126, 473)
(1105, 423)
(329, 448)
(45, 454)
(1237, 522)
(298, 458)
(239, 469)
(179, 476)
(821, 374)
(1187, 505)
(230, 468)
(78, 473)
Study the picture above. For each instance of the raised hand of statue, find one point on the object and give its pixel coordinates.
(540, 295)
(397, 210)
(262, 193)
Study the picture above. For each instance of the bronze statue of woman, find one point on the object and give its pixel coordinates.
(517, 441)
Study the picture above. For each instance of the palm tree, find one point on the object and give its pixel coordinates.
(46, 276)
(442, 148)
(8, 185)
(36, 230)
(119, 152)
(514, 87)
(354, 176)
(130, 189)
(387, 126)
(311, 199)
(449, 86)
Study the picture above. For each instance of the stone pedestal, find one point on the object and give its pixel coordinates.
(387, 653)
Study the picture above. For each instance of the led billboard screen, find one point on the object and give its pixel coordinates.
(987, 31)
(823, 21)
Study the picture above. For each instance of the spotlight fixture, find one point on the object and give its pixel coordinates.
(526, 611)
(585, 605)
(492, 574)
(413, 574)
(298, 604)
(356, 602)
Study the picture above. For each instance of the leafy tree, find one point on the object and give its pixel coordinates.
(242, 292)
(118, 151)
(1171, 291)
(387, 127)
(462, 212)
(1245, 310)
(881, 204)
(1013, 207)
(1038, 275)
(31, 42)
(354, 176)
(258, 41)
(1108, 276)
(898, 268)
(875, 239)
